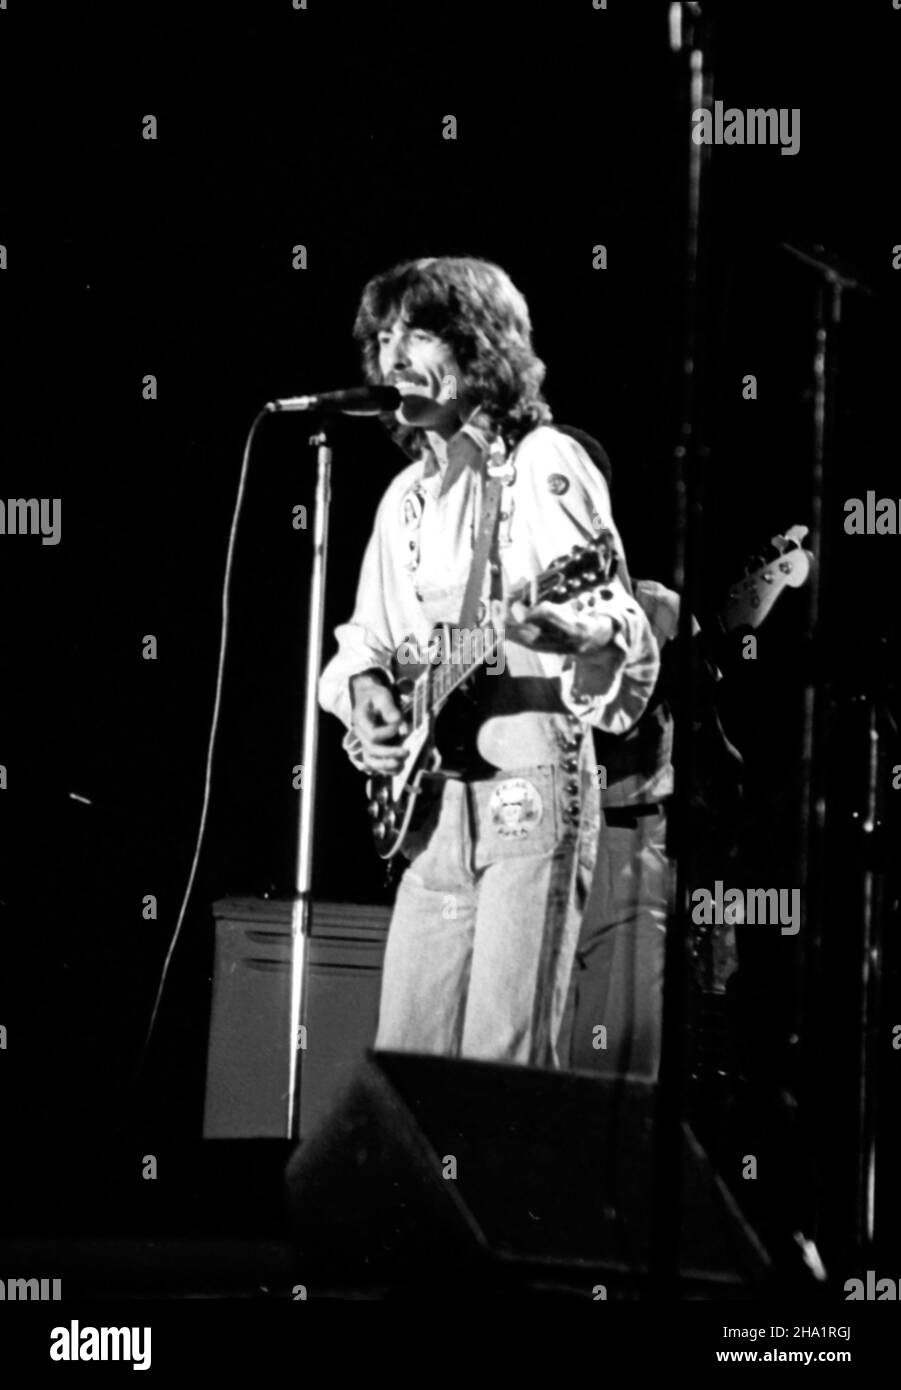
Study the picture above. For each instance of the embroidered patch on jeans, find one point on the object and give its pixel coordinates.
(516, 808)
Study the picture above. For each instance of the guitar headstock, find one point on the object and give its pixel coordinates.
(783, 564)
(585, 567)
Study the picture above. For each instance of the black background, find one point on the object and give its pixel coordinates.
(174, 257)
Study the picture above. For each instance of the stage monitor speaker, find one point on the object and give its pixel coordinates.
(471, 1175)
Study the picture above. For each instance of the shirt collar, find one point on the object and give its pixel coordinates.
(468, 448)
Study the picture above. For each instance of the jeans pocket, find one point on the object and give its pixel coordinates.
(515, 815)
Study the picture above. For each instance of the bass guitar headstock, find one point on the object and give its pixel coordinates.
(783, 564)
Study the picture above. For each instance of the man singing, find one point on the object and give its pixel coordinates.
(487, 915)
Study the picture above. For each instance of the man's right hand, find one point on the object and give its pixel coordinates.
(378, 723)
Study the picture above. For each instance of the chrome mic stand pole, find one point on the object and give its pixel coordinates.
(301, 908)
(820, 698)
(834, 280)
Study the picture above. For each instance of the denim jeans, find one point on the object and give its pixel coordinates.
(486, 921)
(617, 978)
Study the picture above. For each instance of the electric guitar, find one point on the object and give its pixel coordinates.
(452, 658)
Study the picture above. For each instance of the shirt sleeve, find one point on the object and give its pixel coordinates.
(565, 502)
(365, 641)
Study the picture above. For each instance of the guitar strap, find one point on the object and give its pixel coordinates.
(488, 523)
(498, 473)
(624, 576)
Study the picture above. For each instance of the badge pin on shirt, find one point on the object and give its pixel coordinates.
(498, 465)
(411, 509)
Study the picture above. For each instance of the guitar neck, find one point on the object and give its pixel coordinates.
(481, 643)
(586, 566)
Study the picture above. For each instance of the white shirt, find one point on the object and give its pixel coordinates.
(639, 767)
(414, 575)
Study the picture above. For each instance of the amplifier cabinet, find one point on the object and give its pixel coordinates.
(248, 1055)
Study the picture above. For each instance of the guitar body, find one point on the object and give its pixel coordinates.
(398, 804)
(457, 730)
(394, 801)
(396, 810)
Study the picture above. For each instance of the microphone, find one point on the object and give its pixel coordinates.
(358, 400)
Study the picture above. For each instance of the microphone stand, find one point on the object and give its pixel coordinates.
(302, 905)
(820, 697)
(825, 374)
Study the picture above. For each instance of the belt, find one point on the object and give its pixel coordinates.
(626, 816)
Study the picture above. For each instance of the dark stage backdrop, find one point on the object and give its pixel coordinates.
(174, 257)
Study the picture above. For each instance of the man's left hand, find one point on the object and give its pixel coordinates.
(547, 628)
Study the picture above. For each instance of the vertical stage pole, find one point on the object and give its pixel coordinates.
(688, 35)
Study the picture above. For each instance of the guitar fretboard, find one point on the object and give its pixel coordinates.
(470, 649)
(456, 653)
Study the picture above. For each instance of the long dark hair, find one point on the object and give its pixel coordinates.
(476, 309)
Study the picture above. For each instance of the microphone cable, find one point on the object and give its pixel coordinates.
(214, 729)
